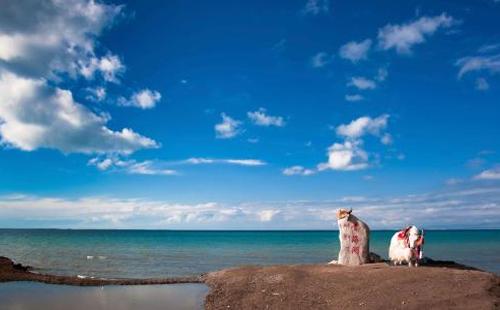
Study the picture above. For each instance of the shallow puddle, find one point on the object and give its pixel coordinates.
(32, 295)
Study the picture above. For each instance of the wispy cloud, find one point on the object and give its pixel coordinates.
(321, 59)
(239, 162)
(482, 84)
(148, 168)
(403, 37)
(381, 74)
(316, 7)
(355, 51)
(362, 83)
(488, 48)
(354, 98)
(298, 170)
(465, 207)
(163, 167)
(489, 174)
(261, 118)
(453, 181)
(279, 46)
(469, 64)
(228, 128)
(130, 166)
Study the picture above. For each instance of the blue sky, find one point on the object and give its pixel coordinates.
(195, 114)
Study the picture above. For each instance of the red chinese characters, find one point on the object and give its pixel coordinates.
(355, 250)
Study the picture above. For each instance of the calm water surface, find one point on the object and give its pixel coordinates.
(147, 253)
(37, 296)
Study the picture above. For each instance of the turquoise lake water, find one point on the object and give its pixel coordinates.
(161, 253)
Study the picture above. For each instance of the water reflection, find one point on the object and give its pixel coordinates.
(29, 295)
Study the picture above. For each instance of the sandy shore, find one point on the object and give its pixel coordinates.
(372, 286)
(9, 271)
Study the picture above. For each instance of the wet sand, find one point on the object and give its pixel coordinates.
(10, 271)
(371, 286)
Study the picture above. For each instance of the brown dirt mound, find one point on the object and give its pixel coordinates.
(371, 286)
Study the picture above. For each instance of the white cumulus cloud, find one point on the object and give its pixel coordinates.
(143, 99)
(228, 128)
(346, 156)
(362, 126)
(35, 115)
(42, 44)
(110, 66)
(50, 37)
(350, 155)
